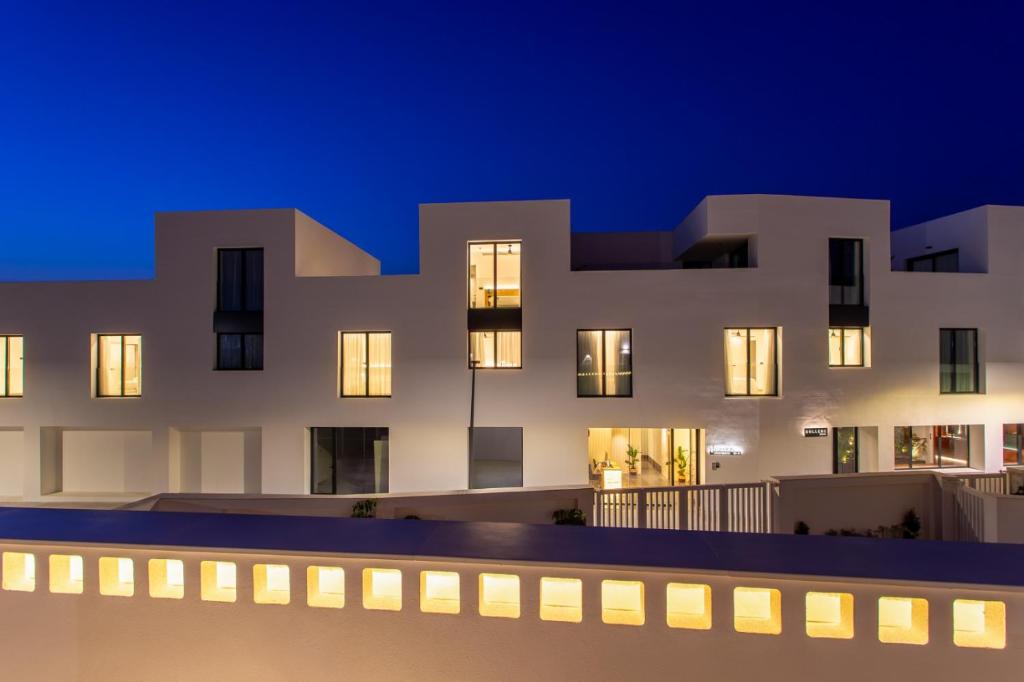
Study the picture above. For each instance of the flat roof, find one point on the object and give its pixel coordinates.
(813, 555)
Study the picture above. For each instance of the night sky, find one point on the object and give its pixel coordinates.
(357, 112)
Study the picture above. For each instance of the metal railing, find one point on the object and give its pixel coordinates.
(738, 507)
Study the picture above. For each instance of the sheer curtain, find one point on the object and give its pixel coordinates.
(110, 366)
(380, 364)
(590, 363)
(353, 364)
(618, 363)
(509, 349)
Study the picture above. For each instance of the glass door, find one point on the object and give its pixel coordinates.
(844, 450)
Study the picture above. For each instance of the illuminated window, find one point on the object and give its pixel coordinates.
(751, 361)
(829, 615)
(271, 584)
(166, 579)
(846, 347)
(325, 587)
(382, 589)
(902, 620)
(622, 602)
(757, 610)
(12, 367)
(439, 592)
(561, 599)
(67, 574)
(19, 572)
(604, 363)
(218, 581)
(496, 349)
(688, 606)
(366, 364)
(979, 624)
(494, 275)
(117, 576)
(499, 595)
(958, 361)
(119, 365)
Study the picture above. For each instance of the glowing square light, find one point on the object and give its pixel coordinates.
(622, 602)
(561, 599)
(439, 592)
(325, 587)
(688, 606)
(499, 595)
(902, 620)
(117, 576)
(979, 624)
(67, 574)
(757, 610)
(166, 579)
(218, 581)
(19, 571)
(382, 589)
(829, 615)
(271, 584)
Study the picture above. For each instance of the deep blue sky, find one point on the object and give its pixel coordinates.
(357, 112)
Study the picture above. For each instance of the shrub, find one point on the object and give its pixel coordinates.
(569, 517)
(366, 509)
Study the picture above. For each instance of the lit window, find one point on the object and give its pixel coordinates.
(499, 595)
(757, 610)
(366, 364)
(218, 581)
(12, 367)
(439, 592)
(604, 363)
(166, 579)
(19, 572)
(382, 589)
(846, 347)
(117, 576)
(271, 584)
(751, 361)
(829, 615)
(496, 349)
(325, 587)
(979, 624)
(119, 365)
(67, 574)
(902, 620)
(561, 599)
(494, 275)
(688, 606)
(622, 602)
(958, 361)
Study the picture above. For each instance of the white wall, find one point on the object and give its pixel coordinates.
(105, 461)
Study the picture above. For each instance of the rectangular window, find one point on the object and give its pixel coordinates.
(751, 361)
(12, 367)
(119, 365)
(604, 363)
(922, 447)
(846, 271)
(239, 351)
(943, 261)
(958, 360)
(366, 364)
(495, 349)
(1013, 439)
(846, 347)
(350, 460)
(494, 275)
(240, 304)
(495, 457)
(845, 450)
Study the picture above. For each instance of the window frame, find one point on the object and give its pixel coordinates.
(953, 374)
(335, 432)
(603, 393)
(366, 371)
(99, 365)
(6, 369)
(494, 265)
(835, 449)
(937, 453)
(469, 349)
(775, 361)
(842, 347)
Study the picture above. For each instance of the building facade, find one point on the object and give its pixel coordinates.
(765, 335)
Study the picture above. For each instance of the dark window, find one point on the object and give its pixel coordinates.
(604, 363)
(1013, 440)
(349, 460)
(958, 360)
(927, 447)
(845, 450)
(942, 261)
(239, 351)
(495, 457)
(846, 271)
(240, 291)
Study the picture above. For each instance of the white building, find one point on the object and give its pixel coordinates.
(231, 370)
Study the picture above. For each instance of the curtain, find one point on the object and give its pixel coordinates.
(353, 364)
(618, 363)
(4, 366)
(736, 361)
(109, 362)
(132, 365)
(762, 357)
(509, 349)
(589, 363)
(380, 364)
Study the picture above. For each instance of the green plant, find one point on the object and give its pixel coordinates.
(569, 517)
(679, 462)
(365, 509)
(801, 528)
(911, 525)
(632, 455)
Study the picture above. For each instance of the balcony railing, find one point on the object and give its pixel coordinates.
(738, 507)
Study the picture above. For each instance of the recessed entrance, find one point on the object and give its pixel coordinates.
(633, 457)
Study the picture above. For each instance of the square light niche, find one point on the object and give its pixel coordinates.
(382, 589)
(166, 579)
(561, 600)
(218, 581)
(757, 610)
(67, 574)
(979, 624)
(117, 576)
(688, 605)
(19, 572)
(439, 592)
(325, 587)
(829, 615)
(902, 620)
(622, 602)
(499, 595)
(271, 584)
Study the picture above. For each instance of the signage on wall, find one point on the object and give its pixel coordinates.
(815, 431)
(731, 450)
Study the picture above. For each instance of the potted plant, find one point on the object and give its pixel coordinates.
(632, 455)
(682, 471)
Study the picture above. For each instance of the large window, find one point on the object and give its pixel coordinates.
(494, 275)
(604, 363)
(495, 457)
(845, 450)
(846, 347)
(118, 365)
(495, 349)
(1013, 443)
(239, 319)
(349, 460)
(12, 367)
(846, 272)
(941, 261)
(366, 364)
(922, 447)
(751, 361)
(958, 360)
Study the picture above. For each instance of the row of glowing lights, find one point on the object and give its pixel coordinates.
(757, 610)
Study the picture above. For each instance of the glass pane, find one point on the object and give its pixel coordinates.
(946, 374)
(509, 351)
(132, 365)
(481, 276)
(380, 364)
(495, 457)
(509, 279)
(589, 363)
(323, 461)
(254, 279)
(361, 460)
(253, 351)
(846, 449)
(835, 347)
(924, 446)
(736, 362)
(15, 366)
(1011, 443)
(4, 371)
(964, 356)
(353, 364)
(844, 272)
(853, 347)
(619, 361)
(109, 366)
(481, 349)
(229, 279)
(953, 445)
(229, 351)
(903, 446)
(762, 359)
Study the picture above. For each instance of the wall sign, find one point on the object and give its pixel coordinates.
(731, 450)
(815, 431)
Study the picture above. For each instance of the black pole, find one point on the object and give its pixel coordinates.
(472, 396)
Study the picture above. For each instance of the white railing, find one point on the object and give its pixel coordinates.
(987, 483)
(739, 508)
(970, 514)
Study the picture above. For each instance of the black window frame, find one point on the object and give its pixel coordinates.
(602, 394)
(366, 372)
(775, 362)
(494, 266)
(835, 449)
(469, 349)
(6, 393)
(932, 258)
(952, 354)
(99, 365)
(860, 272)
(842, 346)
